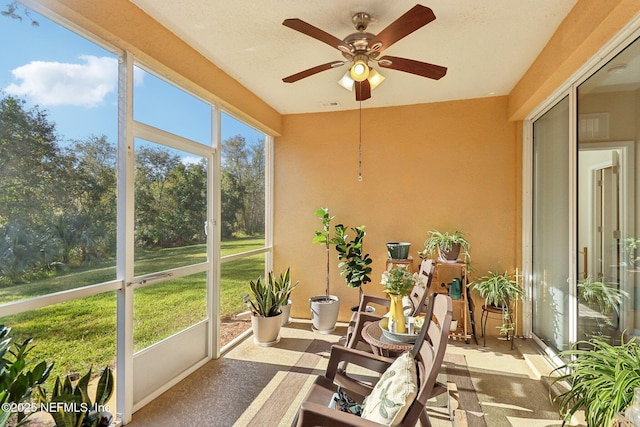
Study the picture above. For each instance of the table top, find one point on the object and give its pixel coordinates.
(372, 334)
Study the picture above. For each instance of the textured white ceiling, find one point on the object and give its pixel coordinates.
(486, 44)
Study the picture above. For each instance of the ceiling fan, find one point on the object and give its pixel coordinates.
(362, 48)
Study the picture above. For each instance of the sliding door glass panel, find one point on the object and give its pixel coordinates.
(551, 227)
(608, 241)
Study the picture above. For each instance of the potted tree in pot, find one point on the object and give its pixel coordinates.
(447, 245)
(265, 304)
(324, 308)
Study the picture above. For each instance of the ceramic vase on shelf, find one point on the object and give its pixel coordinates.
(397, 314)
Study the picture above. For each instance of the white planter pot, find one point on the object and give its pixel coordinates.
(266, 330)
(286, 313)
(324, 313)
(454, 325)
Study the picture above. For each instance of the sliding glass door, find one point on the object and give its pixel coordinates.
(607, 262)
(550, 228)
(585, 249)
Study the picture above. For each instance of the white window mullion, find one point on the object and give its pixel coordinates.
(214, 234)
(573, 215)
(125, 251)
(268, 202)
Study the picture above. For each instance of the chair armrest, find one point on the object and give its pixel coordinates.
(313, 414)
(366, 299)
(357, 357)
(362, 319)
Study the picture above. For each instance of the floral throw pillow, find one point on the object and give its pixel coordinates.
(394, 393)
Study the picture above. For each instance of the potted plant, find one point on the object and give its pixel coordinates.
(398, 282)
(89, 413)
(447, 245)
(324, 308)
(20, 376)
(265, 304)
(601, 378)
(284, 288)
(499, 291)
(354, 264)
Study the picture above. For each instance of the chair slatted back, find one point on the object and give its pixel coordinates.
(430, 356)
(418, 294)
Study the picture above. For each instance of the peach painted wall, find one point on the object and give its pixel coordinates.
(450, 165)
(588, 27)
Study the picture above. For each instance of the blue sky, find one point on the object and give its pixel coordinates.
(75, 82)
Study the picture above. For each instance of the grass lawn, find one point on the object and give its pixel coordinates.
(81, 333)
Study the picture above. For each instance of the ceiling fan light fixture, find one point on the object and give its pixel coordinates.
(375, 78)
(346, 81)
(359, 71)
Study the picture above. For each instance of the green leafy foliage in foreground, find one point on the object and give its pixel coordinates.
(602, 380)
(72, 405)
(19, 375)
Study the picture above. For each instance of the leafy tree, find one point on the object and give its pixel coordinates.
(242, 187)
(29, 184)
(187, 195)
(87, 226)
(254, 197)
(154, 167)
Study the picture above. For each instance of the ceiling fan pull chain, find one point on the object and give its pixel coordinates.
(360, 147)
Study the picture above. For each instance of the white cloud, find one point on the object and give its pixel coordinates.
(54, 83)
(190, 160)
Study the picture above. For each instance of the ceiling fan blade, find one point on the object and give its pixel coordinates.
(423, 69)
(363, 90)
(311, 71)
(316, 33)
(417, 17)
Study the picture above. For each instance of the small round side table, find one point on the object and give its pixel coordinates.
(381, 345)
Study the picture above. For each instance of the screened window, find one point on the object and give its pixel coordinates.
(58, 130)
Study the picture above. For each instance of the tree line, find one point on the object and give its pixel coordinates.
(58, 198)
